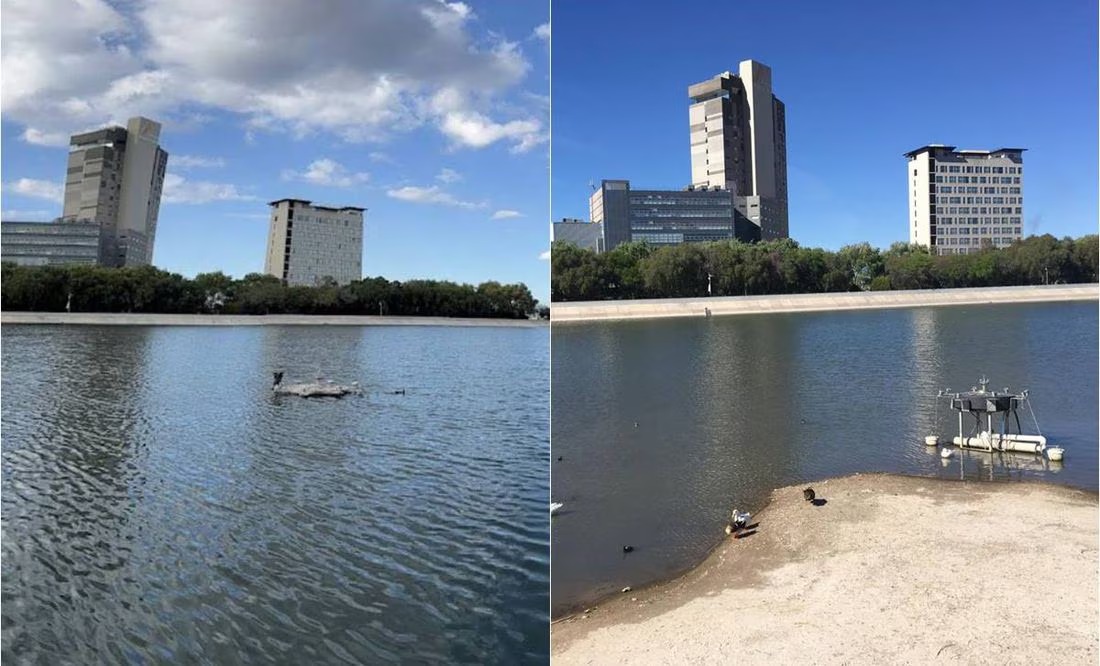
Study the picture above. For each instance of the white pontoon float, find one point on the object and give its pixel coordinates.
(987, 409)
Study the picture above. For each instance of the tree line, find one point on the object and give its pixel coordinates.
(733, 268)
(82, 288)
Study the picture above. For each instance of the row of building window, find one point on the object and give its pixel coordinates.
(948, 189)
(974, 241)
(979, 220)
(981, 231)
(978, 169)
(965, 210)
(680, 201)
(658, 228)
(718, 213)
(658, 238)
(323, 220)
(983, 210)
(980, 180)
(974, 210)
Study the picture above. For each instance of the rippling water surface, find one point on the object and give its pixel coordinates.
(664, 426)
(161, 506)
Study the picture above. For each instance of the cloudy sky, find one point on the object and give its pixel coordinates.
(432, 115)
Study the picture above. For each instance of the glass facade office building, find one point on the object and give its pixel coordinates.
(50, 243)
(668, 217)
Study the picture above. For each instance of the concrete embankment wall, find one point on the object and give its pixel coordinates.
(739, 305)
(127, 319)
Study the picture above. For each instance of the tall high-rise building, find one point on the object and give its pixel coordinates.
(307, 243)
(114, 179)
(739, 143)
(963, 200)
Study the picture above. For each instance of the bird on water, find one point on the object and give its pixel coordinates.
(628, 549)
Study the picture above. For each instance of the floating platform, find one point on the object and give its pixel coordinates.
(993, 413)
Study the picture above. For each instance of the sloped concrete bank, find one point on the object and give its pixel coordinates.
(134, 319)
(737, 305)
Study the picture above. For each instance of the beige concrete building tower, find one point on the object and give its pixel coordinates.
(306, 243)
(963, 200)
(114, 178)
(739, 143)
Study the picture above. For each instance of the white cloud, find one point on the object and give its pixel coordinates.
(469, 128)
(40, 138)
(542, 32)
(194, 161)
(380, 157)
(28, 215)
(178, 189)
(506, 214)
(39, 189)
(327, 172)
(430, 195)
(545, 256)
(449, 176)
(71, 64)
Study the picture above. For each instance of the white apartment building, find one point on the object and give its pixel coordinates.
(307, 243)
(738, 131)
(963, 200)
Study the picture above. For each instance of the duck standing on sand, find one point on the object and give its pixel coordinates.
(738, 521)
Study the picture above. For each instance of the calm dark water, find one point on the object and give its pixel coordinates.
(161, 506)
(728, 409)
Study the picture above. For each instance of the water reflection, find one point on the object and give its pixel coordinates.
(161, 506)
(730, 408)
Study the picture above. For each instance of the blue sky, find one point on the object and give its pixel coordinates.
(863, 82)
(432, 115)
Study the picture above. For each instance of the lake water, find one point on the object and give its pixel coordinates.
(663, 426)
(161, 506)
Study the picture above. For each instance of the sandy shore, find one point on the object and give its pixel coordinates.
(127, 319)
(866, 300)
(890, 569)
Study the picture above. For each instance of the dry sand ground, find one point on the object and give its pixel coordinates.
(890, 570)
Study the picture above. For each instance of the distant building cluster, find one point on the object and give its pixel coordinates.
(113, 185)
(738, 174)
(112, 196)
(963, 200)
(960, 201)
